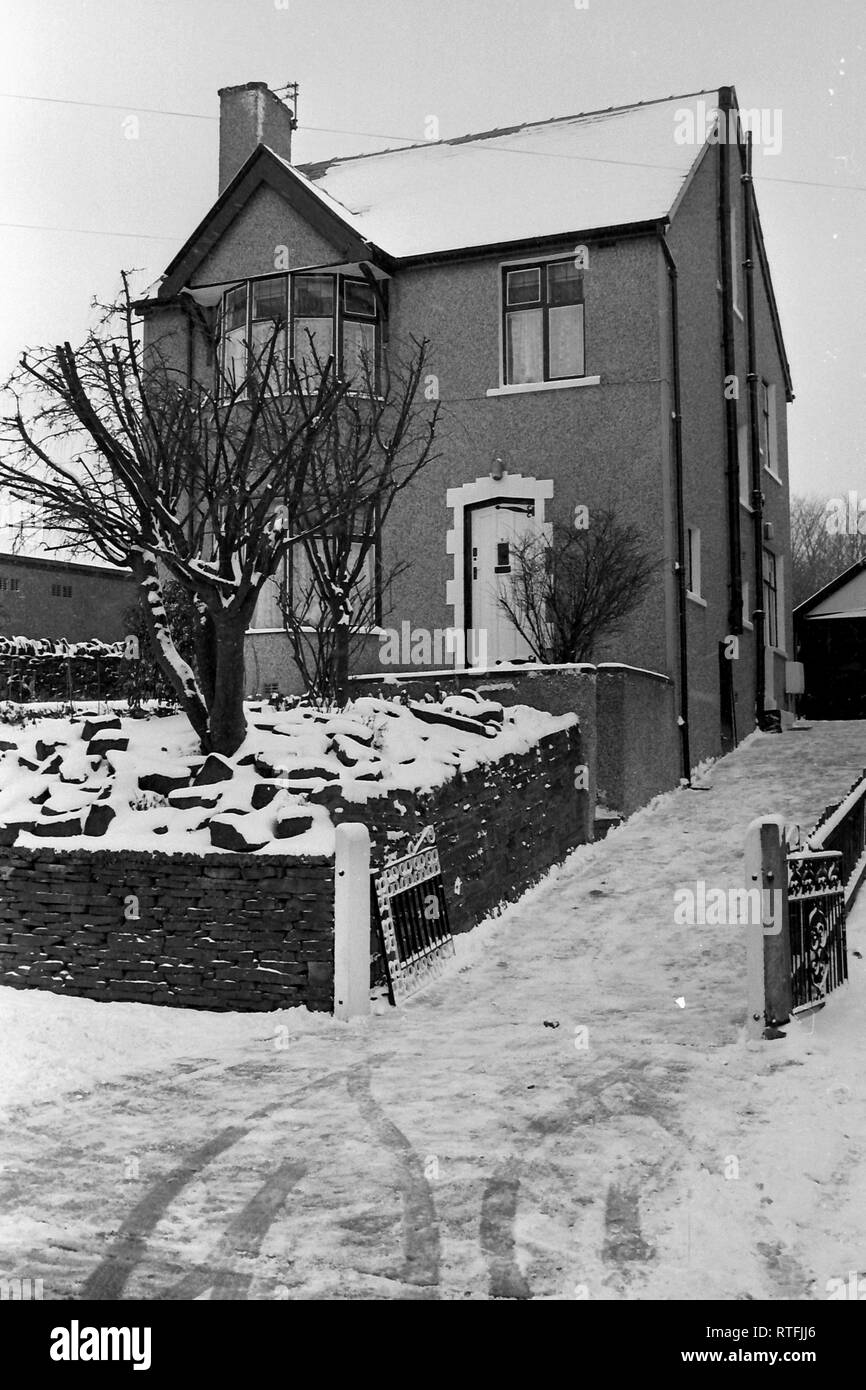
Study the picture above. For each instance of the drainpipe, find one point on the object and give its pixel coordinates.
(758, 614)
(727, 113)
(676, 416)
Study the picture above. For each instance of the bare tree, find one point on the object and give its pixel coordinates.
(118, 451)
(569, 593)
(365, 454)
(825, 540)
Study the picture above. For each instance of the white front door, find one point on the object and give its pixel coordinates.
(494, 531)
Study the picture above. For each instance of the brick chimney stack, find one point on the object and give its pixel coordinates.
(251, 115)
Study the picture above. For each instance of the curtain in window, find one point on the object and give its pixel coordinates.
(525, 358)
(304, 597)
(267, 613)
(359, 350)
(566, 340)
(314, 322)
(234, 357)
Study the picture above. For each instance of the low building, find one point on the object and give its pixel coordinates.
(42, 597)
(830, 634)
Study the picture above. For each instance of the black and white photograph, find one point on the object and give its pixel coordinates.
(432, 670)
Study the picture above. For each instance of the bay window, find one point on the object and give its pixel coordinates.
(313, 314)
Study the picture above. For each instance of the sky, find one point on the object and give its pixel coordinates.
(85, 191)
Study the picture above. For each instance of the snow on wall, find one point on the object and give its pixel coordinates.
(246, 931)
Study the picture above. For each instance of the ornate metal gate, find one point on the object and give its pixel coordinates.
(816, 924)
(411, 934)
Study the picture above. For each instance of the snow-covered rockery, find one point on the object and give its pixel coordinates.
(57, 647)
(119, 783)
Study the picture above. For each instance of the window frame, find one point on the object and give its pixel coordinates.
(373, 562)
(770, 585)
(744, 465)
(339, 316)
(747, 607)
(736, 264)
(542, 264)
(286, 571)
(693, 562)
(768, 431)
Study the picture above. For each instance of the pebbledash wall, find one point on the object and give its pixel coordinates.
(246, 931)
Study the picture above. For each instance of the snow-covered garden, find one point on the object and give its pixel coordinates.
(111, 781)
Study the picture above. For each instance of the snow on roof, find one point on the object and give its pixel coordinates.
(573, 174)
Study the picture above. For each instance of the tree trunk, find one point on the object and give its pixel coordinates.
(178, 674)
(205, 653)
(341, 661)
(228, 725)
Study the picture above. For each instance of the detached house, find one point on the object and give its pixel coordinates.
(603, 334)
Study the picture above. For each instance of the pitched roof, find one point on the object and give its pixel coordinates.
(577, 173)
(522, 185)
(843, 597)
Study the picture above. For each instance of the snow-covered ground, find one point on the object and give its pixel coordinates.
(572, 1112)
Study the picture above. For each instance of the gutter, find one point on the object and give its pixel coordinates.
(758, 613)
(735, 604)
(482, 250)
(676, 415)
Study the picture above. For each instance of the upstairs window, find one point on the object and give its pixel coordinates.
(269, 316)
(767, 425)
(744, 462)
(693, 561)
(234, 335)
(359, 329)
(736, 264)
(543, 331)
(312, 314)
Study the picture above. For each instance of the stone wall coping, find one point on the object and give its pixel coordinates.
(510, 669)
(639, 670)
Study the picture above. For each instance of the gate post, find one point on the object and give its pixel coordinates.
(351, 921)
(768, 952)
